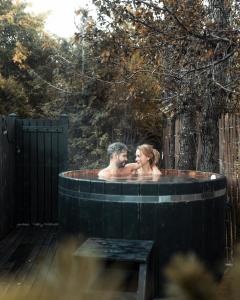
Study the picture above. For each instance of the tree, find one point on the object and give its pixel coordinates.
(25, 50)
(102, 107)
(190, 48)
(215, 100)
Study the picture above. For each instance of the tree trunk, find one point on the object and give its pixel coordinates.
(215, 98)
(172, 144)
(209, 161)
(187, 141)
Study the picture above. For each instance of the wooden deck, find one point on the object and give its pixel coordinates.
(32, 266)
(22, 252)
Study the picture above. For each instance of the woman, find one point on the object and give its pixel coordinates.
(147, 157)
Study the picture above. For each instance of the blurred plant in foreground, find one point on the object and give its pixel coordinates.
(69, 277)
(188, 279)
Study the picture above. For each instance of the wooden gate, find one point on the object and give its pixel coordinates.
(41, 153)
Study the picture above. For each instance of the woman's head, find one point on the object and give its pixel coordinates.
(145, 154)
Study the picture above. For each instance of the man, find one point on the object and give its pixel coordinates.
(118, 166)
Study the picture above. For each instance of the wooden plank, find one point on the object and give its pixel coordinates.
(19, 172)
(41, 172)
(11, 176)
(119, 250)
(55, 172)
(39, 240)
(237, 169)
(231, 175)
(48, 173)
(147, 212)
(112, 211)
(24, 255)
(1, 171)
(142, 282)
(45, 276)
(24, 259)
(44, 260)
(221, 143)
(177, 133)
(34, 191)
(130, 220)
(197, 215)
(60, 146)
(26, 177)
(9, 243)
(7, 248)
(63, 146)
(226, 171)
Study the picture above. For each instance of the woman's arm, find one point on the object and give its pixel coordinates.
(133, 166)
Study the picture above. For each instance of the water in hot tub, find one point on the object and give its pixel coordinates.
(172, 176)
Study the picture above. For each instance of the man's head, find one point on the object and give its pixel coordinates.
(118, 154)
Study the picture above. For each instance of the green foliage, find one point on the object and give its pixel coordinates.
(45, 76)
(104, 108)
(13, 96)
(140, 61)
(190, 49)
(24, 52)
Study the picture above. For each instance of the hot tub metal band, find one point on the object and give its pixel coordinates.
(142, 198)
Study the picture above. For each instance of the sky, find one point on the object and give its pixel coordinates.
(61, 17)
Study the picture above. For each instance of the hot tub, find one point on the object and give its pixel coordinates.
(182, 211)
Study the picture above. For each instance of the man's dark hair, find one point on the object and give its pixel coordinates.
(116, 148)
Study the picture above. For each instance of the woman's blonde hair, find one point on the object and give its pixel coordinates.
(156, 156)
(150, 152)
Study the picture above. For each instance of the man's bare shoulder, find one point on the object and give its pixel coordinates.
(104, 172)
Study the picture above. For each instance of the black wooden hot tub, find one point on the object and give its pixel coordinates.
(182, 211)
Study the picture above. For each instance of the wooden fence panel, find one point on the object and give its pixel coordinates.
(177, 135)
(229, 163)
(229, 158)
(41, 156)
(7, 174)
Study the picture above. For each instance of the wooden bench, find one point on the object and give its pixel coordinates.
(131, 257)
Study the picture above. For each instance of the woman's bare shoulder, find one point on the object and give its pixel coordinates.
(156, 171)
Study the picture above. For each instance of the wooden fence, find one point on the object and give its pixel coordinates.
(41, 154)
(32, 153)
(171, 136)
(7, 174)
(229, 163)
(229, 148)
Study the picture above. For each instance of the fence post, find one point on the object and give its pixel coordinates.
(7, 174)
(11, 134)
(64, 120)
